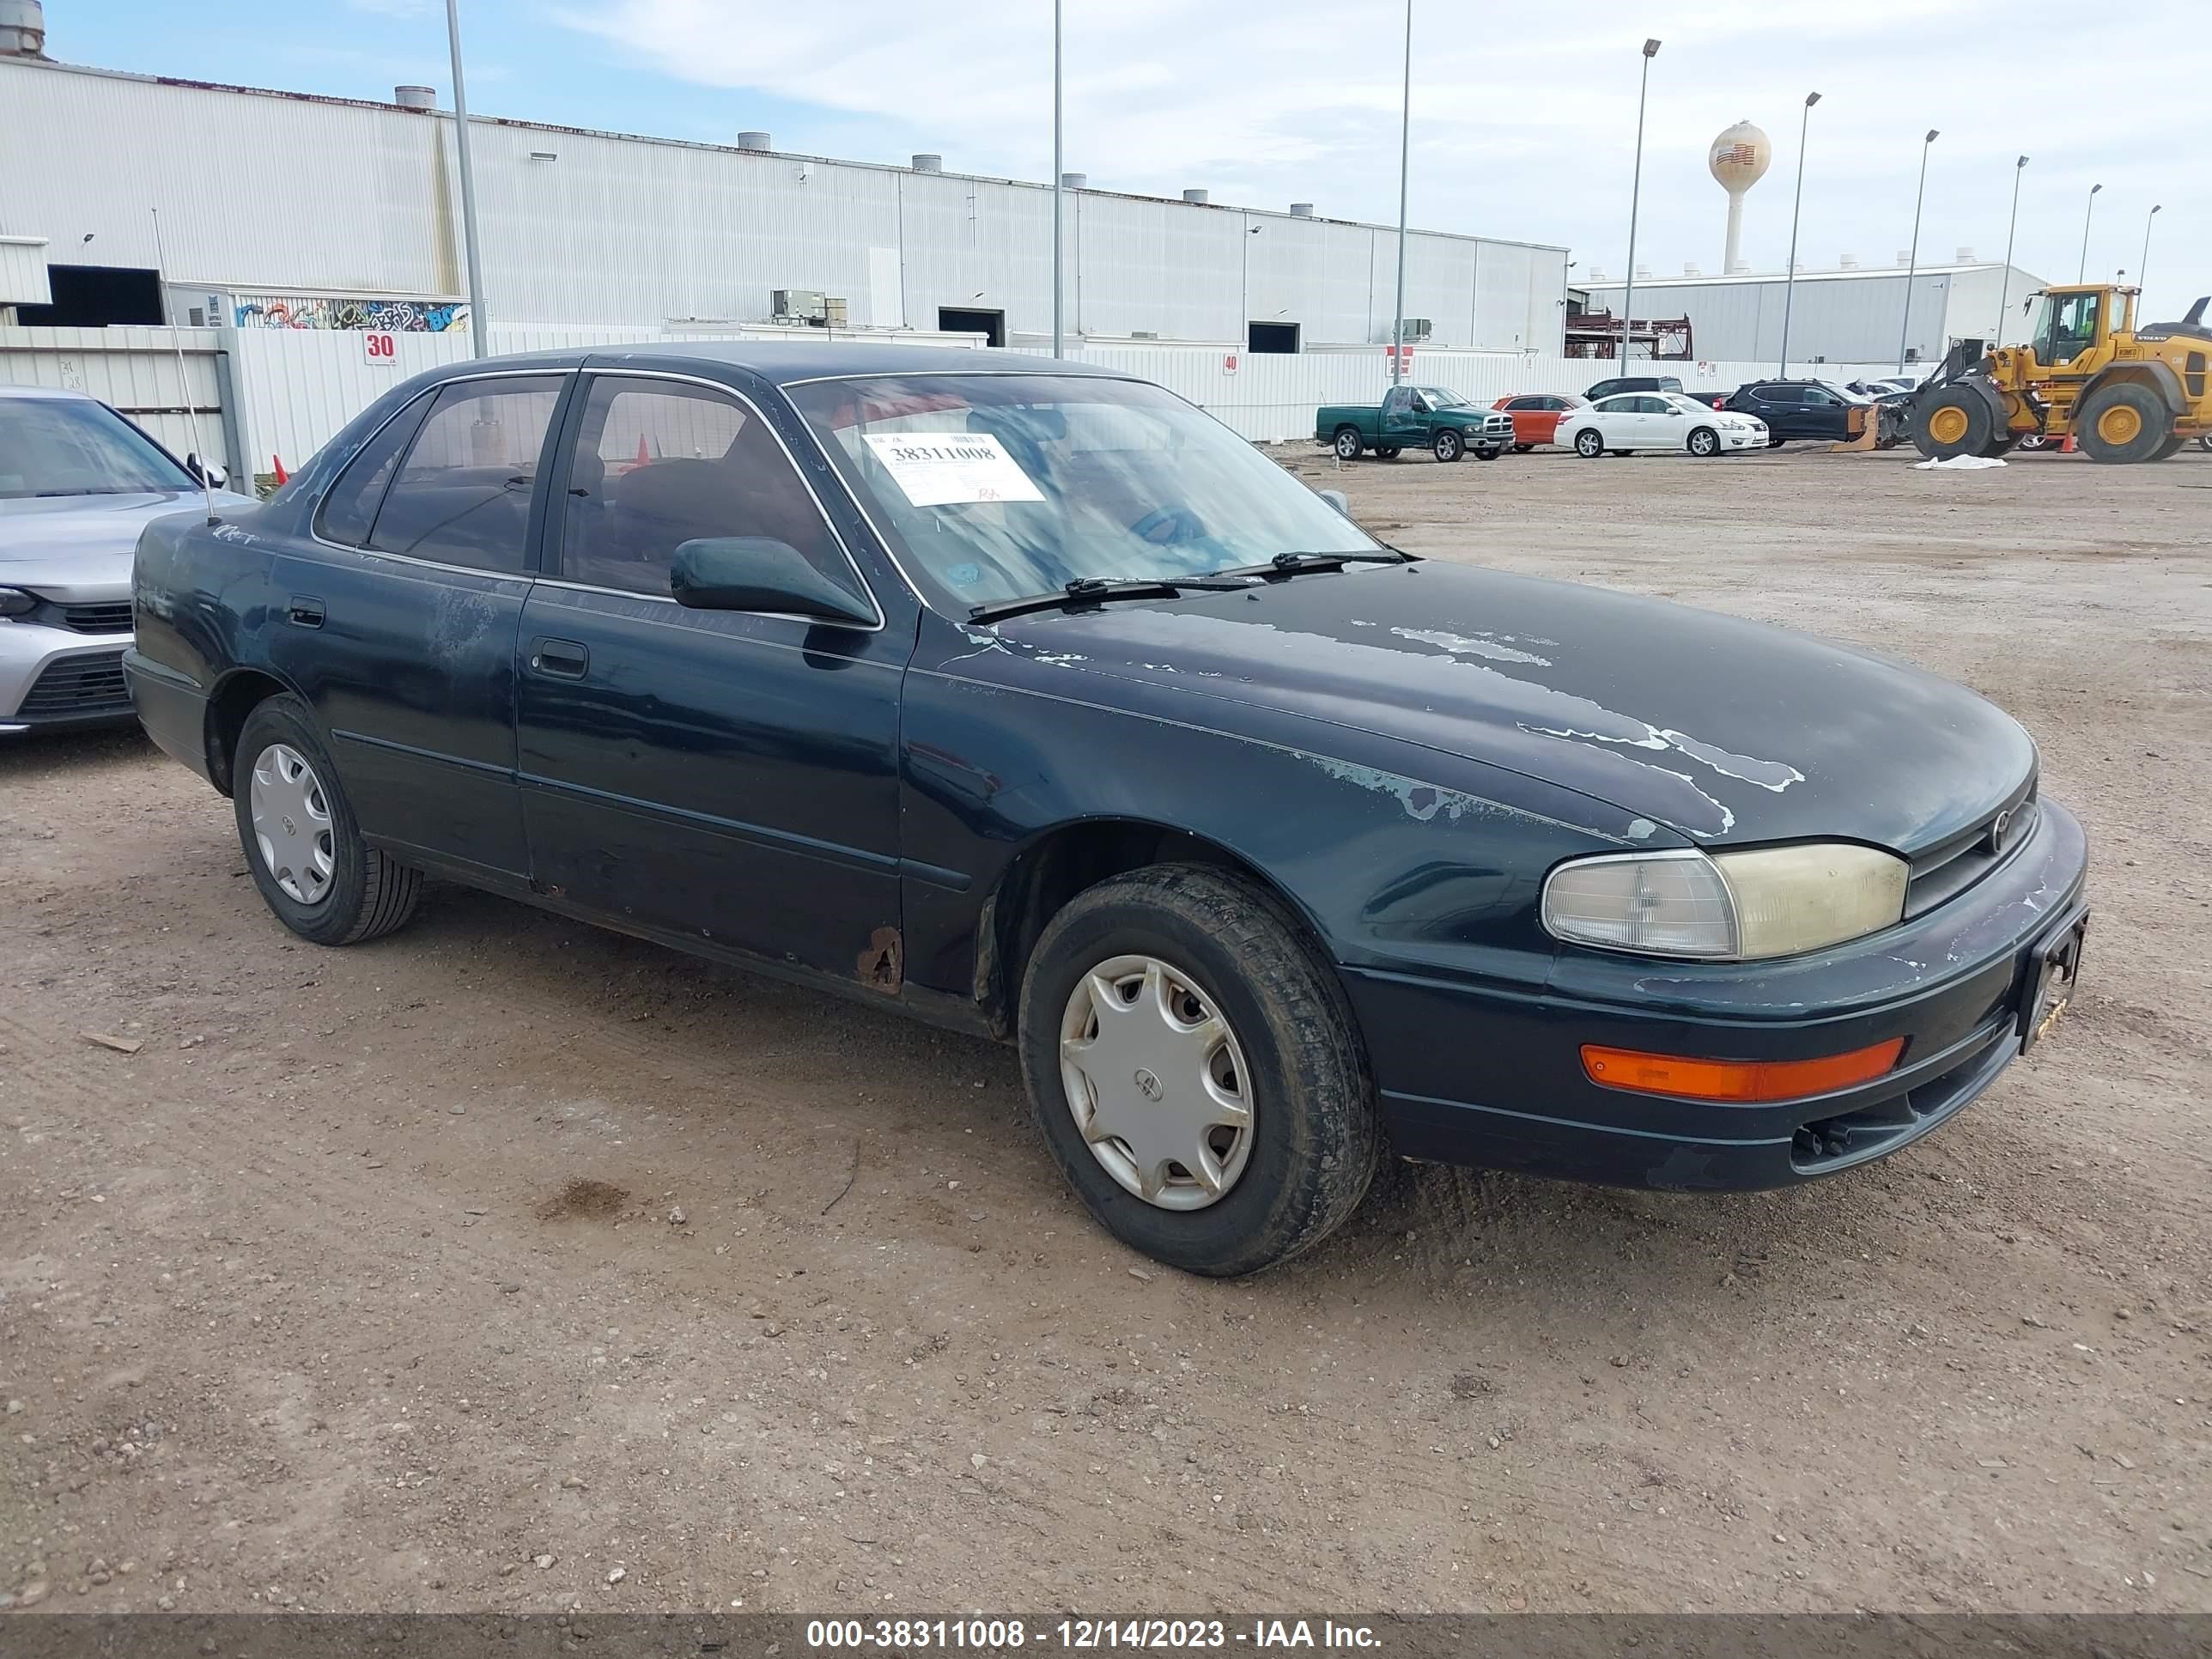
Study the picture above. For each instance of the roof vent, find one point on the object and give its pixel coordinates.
(1741, 268)
(1847, 262)
(1198, 197)
(1643, 273)
(1302, 210)
(414, 97)
(1966, 255)
(23, 29)
(754, 141)
(1075, 181)
(924, 161)
(1690, 269)
(1904, 256)
(1596, 274)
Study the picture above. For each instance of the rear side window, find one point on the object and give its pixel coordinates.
(1780, 394)
(463, 494)
(349, 506)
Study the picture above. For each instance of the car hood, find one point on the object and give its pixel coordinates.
(1721, 729)
(53, 543)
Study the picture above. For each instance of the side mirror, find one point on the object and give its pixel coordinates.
(1337, 498)
(753, 573)
(206, 472)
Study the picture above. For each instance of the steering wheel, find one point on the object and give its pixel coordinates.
(1166, 526)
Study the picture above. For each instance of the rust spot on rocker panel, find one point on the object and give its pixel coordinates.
(880, 967)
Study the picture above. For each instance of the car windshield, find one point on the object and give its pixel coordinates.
(1442, 397)
(74, 447)
(994, 487)
(1682, 400)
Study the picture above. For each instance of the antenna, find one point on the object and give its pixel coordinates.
(184, 380)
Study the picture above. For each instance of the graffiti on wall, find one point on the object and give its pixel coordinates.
(384, 316)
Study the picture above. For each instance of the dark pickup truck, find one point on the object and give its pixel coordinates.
(1426, 417)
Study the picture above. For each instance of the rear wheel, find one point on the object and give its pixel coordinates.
(1588, 444)
(302, 845)
(1523, 449)
(2172, 446)
(1449, 445)
(1955, 422)
(1487, 453)
(2123, 422)
(1346, 442)
(1705, 442)
(1195, 1071)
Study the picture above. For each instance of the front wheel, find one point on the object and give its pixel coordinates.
(1346, 443)
(1705, 442)
(302, 845)
(1588, 444)
(1195, 1071)
(1449, 445)
(1523, 449)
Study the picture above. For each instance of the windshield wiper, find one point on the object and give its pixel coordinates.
(1290, 564)
(1089, 590)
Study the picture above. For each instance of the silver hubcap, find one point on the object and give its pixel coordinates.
(1156, 1082)
(291, 822)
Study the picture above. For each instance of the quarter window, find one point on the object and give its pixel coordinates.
(658, 464)
(463, 494)
(349, 506)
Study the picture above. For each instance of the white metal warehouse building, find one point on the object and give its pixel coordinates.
(1848, 315)
(282, 206)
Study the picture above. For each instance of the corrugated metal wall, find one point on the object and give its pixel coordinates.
(363, 199)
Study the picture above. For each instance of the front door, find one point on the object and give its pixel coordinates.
(1405, 418)
(401, 614)
(1825, 414)
(725, 775)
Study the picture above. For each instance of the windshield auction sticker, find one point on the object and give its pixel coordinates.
(953, 468)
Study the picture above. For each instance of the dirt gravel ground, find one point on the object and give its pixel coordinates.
(511, 1265)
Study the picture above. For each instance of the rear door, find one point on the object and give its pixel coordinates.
(400, 628)
(728, 775)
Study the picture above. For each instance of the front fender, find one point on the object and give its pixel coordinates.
(1400, 858)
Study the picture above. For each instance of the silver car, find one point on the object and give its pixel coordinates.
(77, 482)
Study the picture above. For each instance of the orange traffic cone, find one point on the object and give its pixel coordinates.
(643, 459)
(283, 476)
(2068, 447)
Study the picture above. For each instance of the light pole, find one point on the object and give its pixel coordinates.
(1058, 340)
(477, 320)
(2081, 274)
(1635, 193)
(1405, 158)
(1912, 258)
(2004, 281)
(2142, 265)
(1789, 277)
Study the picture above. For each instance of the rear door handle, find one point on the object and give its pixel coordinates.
(302, 611)
(561, 659)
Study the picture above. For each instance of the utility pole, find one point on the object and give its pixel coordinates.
(1405, 163)
(2082, 274)
(1635, 195)
(1058, 190)
(1912, 258)
(477, 321)
(1789, 277)
(2004, 281)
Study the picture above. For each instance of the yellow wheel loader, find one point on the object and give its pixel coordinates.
(2122, 393)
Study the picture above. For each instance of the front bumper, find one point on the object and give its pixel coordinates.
(57, 678)
(1479, 1076)
(1741, 439)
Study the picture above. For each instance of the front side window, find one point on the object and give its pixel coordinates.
(995, 487)
(1441, 397)
(462, 496)
(2068, 327)
(75, 447)
(660, 462)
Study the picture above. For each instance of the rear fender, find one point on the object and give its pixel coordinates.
(2159, 376)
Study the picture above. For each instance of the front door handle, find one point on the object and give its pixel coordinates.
(302, 611)
(561, 659)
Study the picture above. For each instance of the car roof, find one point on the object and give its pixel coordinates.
(54, 392)
(789, 362)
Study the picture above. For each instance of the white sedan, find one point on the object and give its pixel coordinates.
(1658, 420)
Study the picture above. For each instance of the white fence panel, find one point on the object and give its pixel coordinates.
(135, 370)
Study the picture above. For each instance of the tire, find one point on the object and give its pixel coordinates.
(1704, 443)
(1313, 1142)
(1776, 443)
(1484, 453)
(363, 894)
(1523, 449)
(1346, 443)
(2205, 442)
(1448, 445)
(2031, 441)
(1956, 421)
(2123, 423)
(1622, 453)
(1386, 452)
(1588, 444)
(2171, 446)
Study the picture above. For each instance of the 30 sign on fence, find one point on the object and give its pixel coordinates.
(380, 349)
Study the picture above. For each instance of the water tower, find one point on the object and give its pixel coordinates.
(1739, 159)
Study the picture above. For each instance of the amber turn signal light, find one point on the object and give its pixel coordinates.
(1738, 1080)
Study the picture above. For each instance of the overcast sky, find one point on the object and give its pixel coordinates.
(1524, 116)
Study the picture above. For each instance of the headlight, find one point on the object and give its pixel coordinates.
(15, 602)
(1769, 902)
